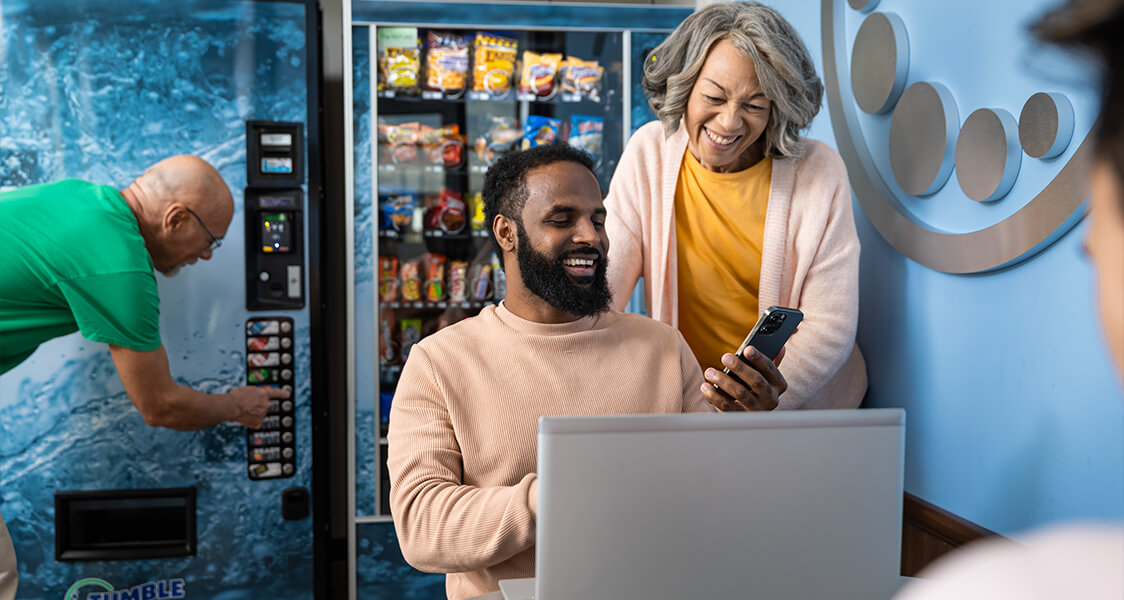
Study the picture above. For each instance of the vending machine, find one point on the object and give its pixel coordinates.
(438, 92)
(99, 504)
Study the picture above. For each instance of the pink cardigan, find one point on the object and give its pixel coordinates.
(809, 261)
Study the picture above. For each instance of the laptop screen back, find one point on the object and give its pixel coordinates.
(800, 504)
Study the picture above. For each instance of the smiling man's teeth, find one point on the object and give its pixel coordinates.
(578, 262)
(719, 139)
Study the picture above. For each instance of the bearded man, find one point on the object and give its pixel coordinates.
(463, 423)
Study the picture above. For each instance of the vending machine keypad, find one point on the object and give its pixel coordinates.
(271, 448)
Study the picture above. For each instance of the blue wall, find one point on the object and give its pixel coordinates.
(1015, 417)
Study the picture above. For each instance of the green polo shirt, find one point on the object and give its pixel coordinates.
(73, 259)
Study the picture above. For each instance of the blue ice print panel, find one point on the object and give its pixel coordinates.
(382, 574)
(642, 44)
(99, 91)
(364, 331)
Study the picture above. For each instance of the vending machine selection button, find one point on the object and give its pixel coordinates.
(268, 438)
(286, 422)
(287, 452)
(262, 344)
(263, 276)
(287, 437)
(264, 359)
(286, 343)
(268, 327)
(286, 358)
(287, 374)
(287, 469)
(287, 406)
(286, 327)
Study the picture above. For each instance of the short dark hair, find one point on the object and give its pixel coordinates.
(1096, 27)
(505, 185)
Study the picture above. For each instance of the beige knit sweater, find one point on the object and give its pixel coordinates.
(464, 421)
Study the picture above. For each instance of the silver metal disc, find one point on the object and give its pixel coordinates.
(922, 138)
(879, 62)
(988, 155)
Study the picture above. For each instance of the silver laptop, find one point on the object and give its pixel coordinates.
(780, 505)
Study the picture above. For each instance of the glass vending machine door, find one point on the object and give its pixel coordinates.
(435, 103)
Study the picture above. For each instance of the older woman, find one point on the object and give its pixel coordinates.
(725, 210)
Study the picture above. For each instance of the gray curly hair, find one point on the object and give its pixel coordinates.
(784, 69)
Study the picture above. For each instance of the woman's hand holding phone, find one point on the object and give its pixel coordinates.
(754, 382)
(763, 382)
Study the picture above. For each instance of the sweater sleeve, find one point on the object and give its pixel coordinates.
(623, 223)
(829, 292)
(693, 398)
(444, 525)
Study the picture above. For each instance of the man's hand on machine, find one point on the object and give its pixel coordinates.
(253, 403)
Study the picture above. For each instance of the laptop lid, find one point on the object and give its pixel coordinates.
(787, 505)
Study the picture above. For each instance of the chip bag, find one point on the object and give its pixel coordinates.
(411, 281)
(539, 131)
(435, 278)
(581, 77)
(495, 63)
(587, 134)
(539, 71)
(399, 59)
(388, 278)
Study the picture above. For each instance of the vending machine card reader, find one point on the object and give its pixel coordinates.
(274, 249)
(274, 204)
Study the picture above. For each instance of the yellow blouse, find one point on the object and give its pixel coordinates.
(719, 229)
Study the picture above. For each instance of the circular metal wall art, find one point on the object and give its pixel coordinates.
(863, 6)
(988, 154)
(922, 137)
(1046, 125)
(879, 62)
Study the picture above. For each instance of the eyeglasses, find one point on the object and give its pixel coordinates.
(215, 242)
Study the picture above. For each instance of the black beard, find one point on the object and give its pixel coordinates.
(548, 280)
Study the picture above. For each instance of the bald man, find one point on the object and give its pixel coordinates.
(80, 257)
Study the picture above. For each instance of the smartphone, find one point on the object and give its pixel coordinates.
(769, 335)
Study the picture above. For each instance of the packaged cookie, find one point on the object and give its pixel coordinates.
(446, 62)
